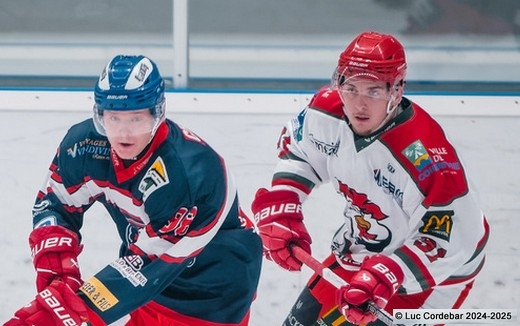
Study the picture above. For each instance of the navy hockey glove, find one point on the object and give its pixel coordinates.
(280, 223)
(55, 251)
(377, 281)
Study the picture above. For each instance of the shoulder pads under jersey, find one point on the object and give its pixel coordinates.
(421, 146)
(328, 101)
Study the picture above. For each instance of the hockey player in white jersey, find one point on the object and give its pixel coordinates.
(413, 232)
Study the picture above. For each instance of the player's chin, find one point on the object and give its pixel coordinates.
(361, 129)
(125, 151)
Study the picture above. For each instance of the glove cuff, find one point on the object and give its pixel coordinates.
(386, 269)
(53, 238)
(269, 205)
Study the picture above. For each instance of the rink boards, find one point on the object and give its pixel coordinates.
(444, 104)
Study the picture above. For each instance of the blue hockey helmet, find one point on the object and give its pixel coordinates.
(129, 83)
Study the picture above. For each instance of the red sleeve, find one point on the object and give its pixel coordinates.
(94, 318)
(327, 101)
(423, 149)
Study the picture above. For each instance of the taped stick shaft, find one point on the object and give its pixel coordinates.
(318, 267)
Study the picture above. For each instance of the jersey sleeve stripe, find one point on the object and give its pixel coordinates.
(482, 243)
(416, 266)
(293, 180)
(458, 279)
(290, 156)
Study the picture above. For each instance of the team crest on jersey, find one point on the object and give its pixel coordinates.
(155, 178)
(417, 154)
(438, 224)
(366, 219)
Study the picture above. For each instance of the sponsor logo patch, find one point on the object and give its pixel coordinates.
(141, 74)
(129, 267)
(99, 294)
(438, 224)
(327, 149)
(429, 164)
(155, 178)
(417, 154)
(388, 187)
(97, 148)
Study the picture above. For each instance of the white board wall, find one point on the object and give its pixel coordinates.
(254, 102)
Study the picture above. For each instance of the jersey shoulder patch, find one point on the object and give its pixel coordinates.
(154, 178)
(421, 146)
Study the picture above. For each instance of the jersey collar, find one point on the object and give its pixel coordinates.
(125, 173)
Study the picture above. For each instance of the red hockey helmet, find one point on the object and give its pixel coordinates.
(372, 55)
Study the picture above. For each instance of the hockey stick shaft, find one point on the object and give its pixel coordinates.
(336, 281)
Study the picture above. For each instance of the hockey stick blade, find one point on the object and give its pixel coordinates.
(337, 281)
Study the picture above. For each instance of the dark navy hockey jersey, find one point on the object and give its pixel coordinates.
(185, 244)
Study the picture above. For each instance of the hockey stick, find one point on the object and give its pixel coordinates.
(336, 281)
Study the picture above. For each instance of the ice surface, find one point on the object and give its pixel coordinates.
(488, 145)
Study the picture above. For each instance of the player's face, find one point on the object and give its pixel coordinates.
(365, 103)
(128, 132)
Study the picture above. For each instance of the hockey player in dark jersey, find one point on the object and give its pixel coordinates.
(189, 256)
(412, 234)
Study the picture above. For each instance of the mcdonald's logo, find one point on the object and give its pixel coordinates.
(438, 224)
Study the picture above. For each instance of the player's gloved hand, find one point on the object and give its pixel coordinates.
(57, 304)
(376, 281)
(279, 220)
(55, 251)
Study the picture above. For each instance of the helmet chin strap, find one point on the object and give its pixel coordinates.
(390, 110)
(156, 125)
(158, 120)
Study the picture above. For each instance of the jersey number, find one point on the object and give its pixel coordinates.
(180, 223)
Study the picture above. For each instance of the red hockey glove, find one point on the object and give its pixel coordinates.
(377, 281)
(55, 305)
(55, 251)
(280, 222)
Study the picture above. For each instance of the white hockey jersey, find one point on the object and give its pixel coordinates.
(406, 191)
